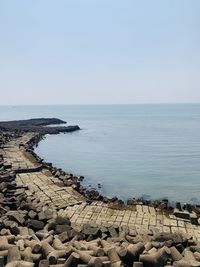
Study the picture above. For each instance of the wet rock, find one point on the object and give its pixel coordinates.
(68, 182)
(57, 174)
(130, 201)
(178, 206)
(81, 178)
(182, 214)
(99, 186)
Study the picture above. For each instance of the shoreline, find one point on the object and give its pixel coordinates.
(172, 203)
(44, 207)
(92, 194)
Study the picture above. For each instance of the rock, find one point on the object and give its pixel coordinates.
(62, 228)
(162, 206)
(68, 182)
(81, 178)
(113, 232)
(130, 201)
(188, 207)
(32, 214)
(57, 174)
(194, 219)
(103, 229)
(62, 220)
(178, 206)
(37, 125)
(41, 216)
(92, 231)
(64, 237)
(182, 214)
(48, 213)
(35, 224)
(162, 237)
(16, 216)
(132, 231)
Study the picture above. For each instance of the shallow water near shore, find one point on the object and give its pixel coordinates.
(131, 150)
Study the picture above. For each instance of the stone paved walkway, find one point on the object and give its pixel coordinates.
(49, 189)
(15, 156)
(67, 201)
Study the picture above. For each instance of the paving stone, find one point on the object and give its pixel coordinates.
(145, 221)
(166, 222)
(173, 222)
(69, 202)
(181, 224)
(145, 209)
(174, 229)
(152, 221)
(140, 214)
(138, 221)
(139, 208)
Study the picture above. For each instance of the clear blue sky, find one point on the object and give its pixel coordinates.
(99, 51)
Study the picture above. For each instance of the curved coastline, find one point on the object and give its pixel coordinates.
(93, 194)
(48, 217)
(41, 127)
(99, 186)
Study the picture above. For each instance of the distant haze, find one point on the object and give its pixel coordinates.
(99, 51)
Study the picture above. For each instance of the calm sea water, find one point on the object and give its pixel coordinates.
(132, 150)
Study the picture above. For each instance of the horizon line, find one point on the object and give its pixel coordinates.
(103, 104)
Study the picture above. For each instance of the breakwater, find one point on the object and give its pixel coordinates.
(48, 218)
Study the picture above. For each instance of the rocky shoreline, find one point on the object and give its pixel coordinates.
(92, 194)
(79, 227)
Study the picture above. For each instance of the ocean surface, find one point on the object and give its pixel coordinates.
(151, 151)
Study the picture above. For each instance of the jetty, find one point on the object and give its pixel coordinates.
(49, 219)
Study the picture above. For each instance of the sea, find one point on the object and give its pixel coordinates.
(145, 150)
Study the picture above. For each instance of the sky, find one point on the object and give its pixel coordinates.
(99, 51)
